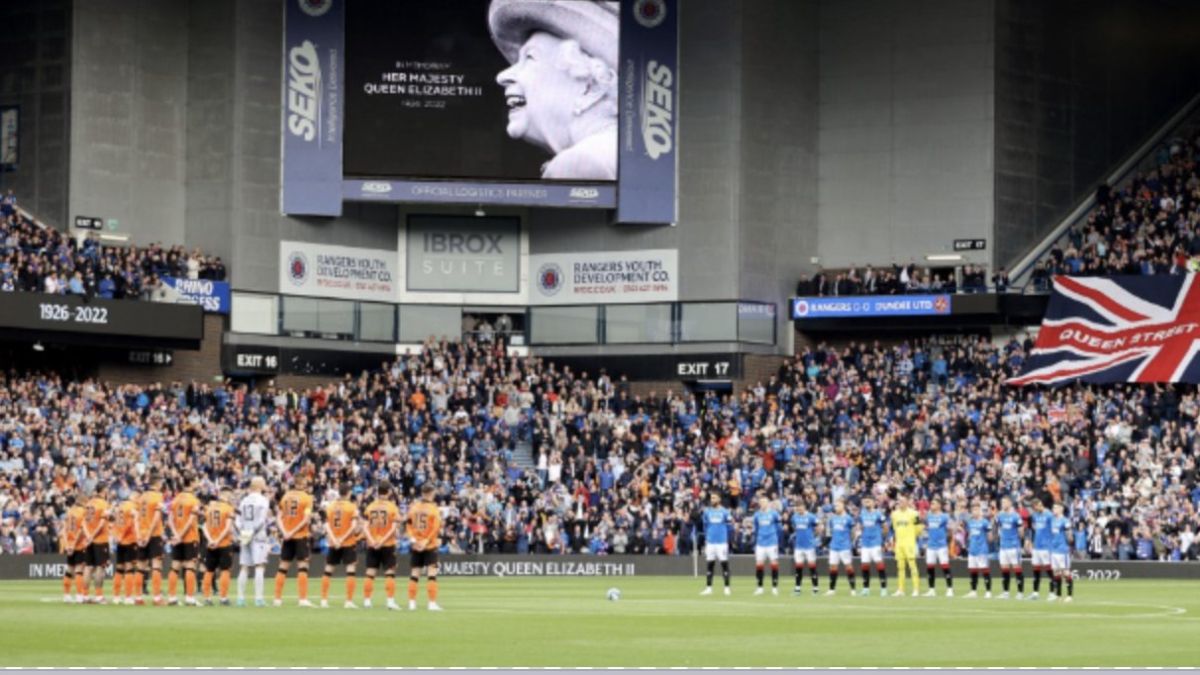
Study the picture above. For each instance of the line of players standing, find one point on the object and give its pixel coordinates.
(1049, 545)
(140, 525)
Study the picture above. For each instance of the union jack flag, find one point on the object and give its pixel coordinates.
(1118, 329)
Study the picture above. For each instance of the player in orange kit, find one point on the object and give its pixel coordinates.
(125, 530)
(342, 529)
(72, 548)
(383, 524)
(218, 556)
(295, 515)
(184, 523)
(96, 519)
(150, 539)
(424, 526)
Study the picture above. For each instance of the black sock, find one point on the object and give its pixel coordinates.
(974, 581)
(832, 579)
(949, 576)
(883, 578)
(1037, 579)
(866, 577)
(711, 564)
(1070, 586)
(1007, 579)
(774, 576)
(758, 575)
(851, 575)
(813, 572)
(1020, 581)
(799, 575)
(725, 572)
(987, 580)
(932, 576)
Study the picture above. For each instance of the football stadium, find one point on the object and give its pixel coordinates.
(599, 334)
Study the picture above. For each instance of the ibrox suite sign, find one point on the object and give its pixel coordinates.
(870, 306)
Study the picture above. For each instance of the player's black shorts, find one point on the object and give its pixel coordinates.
(75, 558)
(185, 552)
(127, 553)
(218, 559)
(294, 549)
(423, 558)
(381, 558)
(96, 555)
(345, 555)
(153, 550)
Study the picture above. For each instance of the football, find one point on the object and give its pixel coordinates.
(614, 594)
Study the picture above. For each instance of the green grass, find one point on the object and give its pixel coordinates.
(660, 621)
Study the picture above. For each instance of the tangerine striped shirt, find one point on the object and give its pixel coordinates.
(424, 526)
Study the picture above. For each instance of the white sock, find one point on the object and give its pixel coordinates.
(242, 577)
(259, 582)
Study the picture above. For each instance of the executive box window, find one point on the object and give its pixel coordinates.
(708, 322)
(419, 322)
(319, 318)
(756, 322)
(253, 313)
(376, 322)
(564, 325)
(637, 324)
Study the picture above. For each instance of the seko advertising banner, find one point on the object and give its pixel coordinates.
(313, 65)
(456, 253)
(345, 272)
(862, 306)
(604, 277)
(647, 192)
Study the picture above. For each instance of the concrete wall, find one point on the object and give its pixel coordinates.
(1079, 85)
(35, 74)
(906, 128)
(129, 115)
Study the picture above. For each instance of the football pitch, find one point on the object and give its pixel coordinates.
(659, 621)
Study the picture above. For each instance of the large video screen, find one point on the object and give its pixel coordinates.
(482, 89)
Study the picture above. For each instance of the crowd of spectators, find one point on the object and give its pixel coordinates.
(900, 280)
(34, 258)
(1149, 226)
(614, 472)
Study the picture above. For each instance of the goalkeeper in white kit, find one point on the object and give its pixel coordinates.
(252, 520)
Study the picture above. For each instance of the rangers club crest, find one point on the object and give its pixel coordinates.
(550, 279)
(298, 268)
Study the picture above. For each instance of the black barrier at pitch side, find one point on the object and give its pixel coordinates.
(52, 567)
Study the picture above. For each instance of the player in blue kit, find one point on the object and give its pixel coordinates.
(1012, 529)
(938, 527)
(840, 527)
(766, 544)
(979, 534)
(717, 521)
(1040, 520)
(804, 545)
(1060, 556)
(871, 532)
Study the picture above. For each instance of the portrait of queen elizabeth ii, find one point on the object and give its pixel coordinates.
(561, 85)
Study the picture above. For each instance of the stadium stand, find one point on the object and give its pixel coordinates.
(1148, 226)
(39, 259)
(618, 473)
